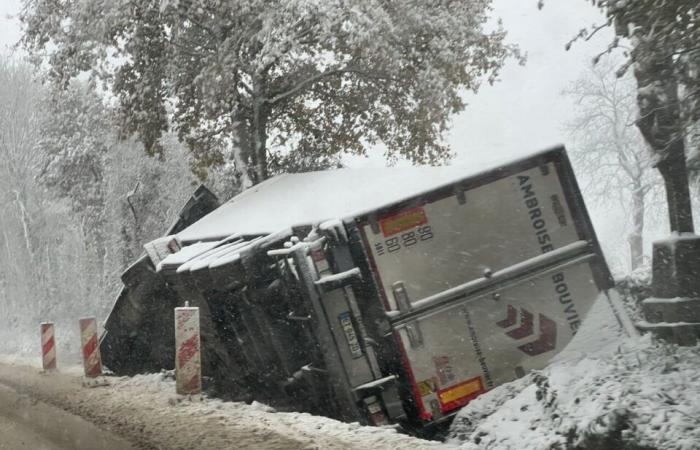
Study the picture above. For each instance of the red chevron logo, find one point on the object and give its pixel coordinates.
(547, 339)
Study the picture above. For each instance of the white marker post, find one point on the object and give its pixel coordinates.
(188, 361)
(48, 347)
(92, 362)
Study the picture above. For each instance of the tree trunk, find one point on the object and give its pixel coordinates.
(260, 118)
(24, 219)
(660, 124)
(636, 239)
(675, 174)
(241, 148)
(260, 142)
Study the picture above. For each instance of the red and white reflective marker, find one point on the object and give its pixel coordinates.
(92, 361)
(188, 360)
(48, 346)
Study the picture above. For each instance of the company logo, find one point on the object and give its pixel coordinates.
(547, 339)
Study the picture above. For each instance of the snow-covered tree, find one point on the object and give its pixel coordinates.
(20, 218)
(143, 196)
(75, 137)
(250, 82)
(120, 198)
(67, 230)
(609, 150)
(42, 257)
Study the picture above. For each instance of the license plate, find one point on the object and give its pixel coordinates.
(350, 335)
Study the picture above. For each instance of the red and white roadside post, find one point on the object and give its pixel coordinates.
(92, 361)
(48, 346)
(188, 360)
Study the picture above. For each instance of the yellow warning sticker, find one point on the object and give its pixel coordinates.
(462, 391)
(402, 221)
(425, 387)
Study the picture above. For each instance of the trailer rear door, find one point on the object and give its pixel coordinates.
(485, 279)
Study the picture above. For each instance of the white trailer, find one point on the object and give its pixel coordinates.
(394, 295)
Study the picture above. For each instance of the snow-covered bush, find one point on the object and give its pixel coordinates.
(633, 288)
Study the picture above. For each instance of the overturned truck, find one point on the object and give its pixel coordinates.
(381, 295)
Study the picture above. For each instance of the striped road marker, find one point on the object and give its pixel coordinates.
(188, 360)
(48, 346)
(92, 362)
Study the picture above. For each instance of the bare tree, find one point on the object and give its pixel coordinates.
(610, 150)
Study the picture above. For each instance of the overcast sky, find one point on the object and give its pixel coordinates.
(525, 111)
(9, 27)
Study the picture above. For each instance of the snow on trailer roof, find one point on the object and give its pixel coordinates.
(202, 261)
(310, 198)
(213, 254)
(185, 254)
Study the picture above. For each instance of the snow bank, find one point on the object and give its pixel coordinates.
(21, 360)
(70, 368)
(158, 390)
(645, 394)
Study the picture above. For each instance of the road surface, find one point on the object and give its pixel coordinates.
(27, 424)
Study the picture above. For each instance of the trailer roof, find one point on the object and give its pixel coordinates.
(291, 200)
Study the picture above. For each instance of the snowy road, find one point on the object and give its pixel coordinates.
(26, 424)
(15, 435)
(145, 411)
